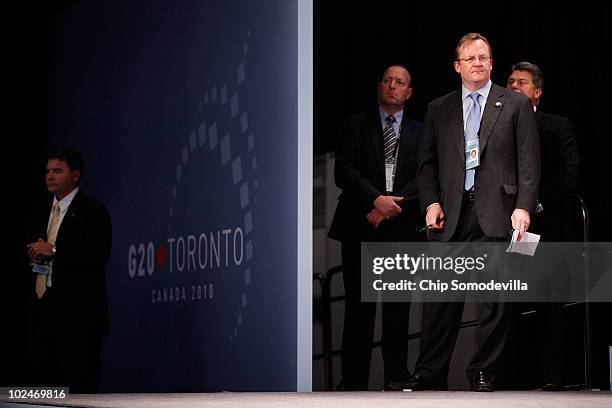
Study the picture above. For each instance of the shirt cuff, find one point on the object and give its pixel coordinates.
(427, 209)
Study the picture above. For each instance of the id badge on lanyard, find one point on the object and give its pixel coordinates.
(389, 176)
(472, 154)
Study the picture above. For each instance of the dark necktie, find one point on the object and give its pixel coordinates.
(389, 137)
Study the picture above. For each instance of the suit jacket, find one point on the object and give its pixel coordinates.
(83, 247)
(509, 172)
(560, 176)
(360, 173)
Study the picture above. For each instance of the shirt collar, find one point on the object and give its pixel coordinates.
(482, 91)
(397, 115)
(65, 202)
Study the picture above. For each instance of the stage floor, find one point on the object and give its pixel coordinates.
(437, 399)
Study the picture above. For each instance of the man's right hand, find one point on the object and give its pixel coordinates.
(386, 205)
(434, 219)
(40, 251)
(375, 218)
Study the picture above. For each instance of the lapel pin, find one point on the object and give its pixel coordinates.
(498, 104)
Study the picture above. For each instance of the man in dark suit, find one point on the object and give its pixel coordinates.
(559, 149)
(467, 200)
(560, 178)
(376, 162)
(69, 244)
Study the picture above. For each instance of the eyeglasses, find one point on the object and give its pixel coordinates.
(483, 59)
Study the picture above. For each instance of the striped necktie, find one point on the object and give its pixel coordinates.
(41, 279)
(389, 138)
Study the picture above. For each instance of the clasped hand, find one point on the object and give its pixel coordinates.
(40, 251)
(385, 208)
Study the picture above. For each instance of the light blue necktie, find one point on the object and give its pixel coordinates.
(471, 132)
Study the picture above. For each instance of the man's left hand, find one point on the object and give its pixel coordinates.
(520, 221)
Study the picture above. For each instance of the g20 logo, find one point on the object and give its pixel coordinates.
(141, 259)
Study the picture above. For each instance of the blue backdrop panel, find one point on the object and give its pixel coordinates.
(186, 115)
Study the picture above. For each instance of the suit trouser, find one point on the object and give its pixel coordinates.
(551, 325)
(359, 321)
(550, 317)
(441, 321)
(62, 352)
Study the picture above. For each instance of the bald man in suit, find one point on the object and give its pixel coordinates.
(376, 205)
